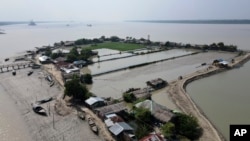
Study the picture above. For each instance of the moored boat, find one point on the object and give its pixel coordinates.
(81, 114)
(38, 109)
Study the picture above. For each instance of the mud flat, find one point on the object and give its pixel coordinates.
(24, 90)
(183, 101)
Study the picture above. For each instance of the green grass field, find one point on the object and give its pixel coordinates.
(117, 46)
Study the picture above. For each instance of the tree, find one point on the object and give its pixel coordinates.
(85, 54)
(76, 90)
(86, 78)
(129, 97)
(188, 126)
(143, 115)
(114, 39)
(142, 130)
(168, 130)
(48, 52)
(73, 54)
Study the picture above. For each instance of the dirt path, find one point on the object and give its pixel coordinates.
(101, 126)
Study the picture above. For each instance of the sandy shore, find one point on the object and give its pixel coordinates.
(183, 101)
(24, 90)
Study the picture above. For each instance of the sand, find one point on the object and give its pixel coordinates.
(24, 90)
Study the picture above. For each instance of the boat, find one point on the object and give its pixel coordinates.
(89, 25)
(38, 109)
(49, 78)
(81, 114)
(6, 59)
(32, 23)
(14, 72)
(92, 125)
(29, 73)
(44, 100)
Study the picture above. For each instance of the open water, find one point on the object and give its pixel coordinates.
(216, 95)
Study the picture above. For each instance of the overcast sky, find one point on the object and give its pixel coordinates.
(120, 10)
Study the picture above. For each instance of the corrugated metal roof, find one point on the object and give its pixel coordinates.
(93, 100)
(119, 127)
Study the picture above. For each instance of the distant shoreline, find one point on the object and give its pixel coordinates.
(231, 21)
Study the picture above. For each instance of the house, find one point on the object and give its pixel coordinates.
(157, 83)
(70, 69)
(153, 137)
(44, 59)
(220, 63)
(110, 109)
(95, 102)
(80, 63)
(122, 131)
(141, 93)
(160, 112)
(111, 119)
(63, 51)
(69, 43)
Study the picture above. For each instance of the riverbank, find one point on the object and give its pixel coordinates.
(24, 90)
(184, 102)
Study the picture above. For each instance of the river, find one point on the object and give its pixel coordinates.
(19, 38)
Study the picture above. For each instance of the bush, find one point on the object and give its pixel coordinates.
(129, 97)
(187, 126)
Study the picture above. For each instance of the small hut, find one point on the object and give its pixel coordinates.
(157, 83)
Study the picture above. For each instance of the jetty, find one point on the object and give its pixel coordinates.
(15, 66)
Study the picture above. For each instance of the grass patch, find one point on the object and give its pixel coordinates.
(117, 46)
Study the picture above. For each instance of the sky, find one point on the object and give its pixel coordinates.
(121, 10)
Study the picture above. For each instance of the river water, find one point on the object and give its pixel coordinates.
(19, 38)
(224, 97)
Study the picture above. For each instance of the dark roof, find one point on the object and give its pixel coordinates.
(114, 108)
(119, 127)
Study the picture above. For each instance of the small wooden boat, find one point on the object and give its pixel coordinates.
(94, 129)
(38, 109)
(45, 100)
(6, 59)
(90, 121)
(29, 73)
(92, 125)
(14, 72)
(51, 83)
(81, 114)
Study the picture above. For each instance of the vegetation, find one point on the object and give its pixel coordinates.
(187, 126)
(75, 55)
(143, 115)
(86, 78)
(142, 130)
(76, 90)
(117, 46)
(168, 130)
(129, 97)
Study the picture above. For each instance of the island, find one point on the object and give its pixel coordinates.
(62, 85)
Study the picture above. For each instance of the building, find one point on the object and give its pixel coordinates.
(157, 83)
(110, 109)
(80, 63)
(95, 102)
(140, 93)
(160, 112)
(44, 59)
(122, 131)
(111, 119)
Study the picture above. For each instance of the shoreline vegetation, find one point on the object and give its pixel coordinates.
(176, 88)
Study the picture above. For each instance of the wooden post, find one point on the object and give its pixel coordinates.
(53, 122)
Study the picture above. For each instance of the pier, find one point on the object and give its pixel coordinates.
(15, 66)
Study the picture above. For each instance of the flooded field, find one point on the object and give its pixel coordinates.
(114, 84)
(107, 66)
(108, 54)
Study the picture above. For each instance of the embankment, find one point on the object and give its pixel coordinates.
(184, 102)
